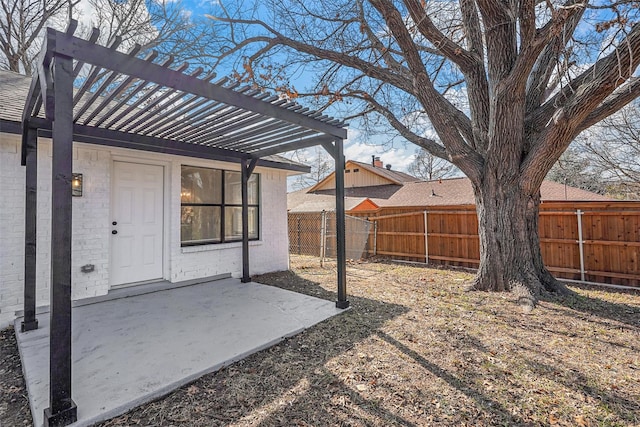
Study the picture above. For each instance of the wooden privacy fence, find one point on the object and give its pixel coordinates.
(587, 241)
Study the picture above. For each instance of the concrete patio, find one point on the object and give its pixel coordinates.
(140, 343)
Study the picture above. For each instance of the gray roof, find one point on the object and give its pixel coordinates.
(301, 201)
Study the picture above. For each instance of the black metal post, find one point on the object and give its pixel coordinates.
(342, 301)
(62, 410)
(31, 187)
(247, 169)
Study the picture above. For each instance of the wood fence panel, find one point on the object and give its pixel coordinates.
(611, 237)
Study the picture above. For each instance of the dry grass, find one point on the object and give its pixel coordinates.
(416, 349)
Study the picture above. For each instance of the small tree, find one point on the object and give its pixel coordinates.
(576, 169)
(321, 166)
(506, 85)
(614, 147)
(428, 167)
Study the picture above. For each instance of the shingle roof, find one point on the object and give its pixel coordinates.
(14, 88)
(301, 201)
(452, 191)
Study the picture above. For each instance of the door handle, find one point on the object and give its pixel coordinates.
(114, 231)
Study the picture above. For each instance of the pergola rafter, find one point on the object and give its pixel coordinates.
(143, 103)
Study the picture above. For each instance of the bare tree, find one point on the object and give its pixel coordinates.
(574, 168)
(162, 25)
(21, 24)
(506, 86)
(428, 167)
(613, 146)
(321, 166)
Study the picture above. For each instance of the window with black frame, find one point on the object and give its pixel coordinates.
(211, 206)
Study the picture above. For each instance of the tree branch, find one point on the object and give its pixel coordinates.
(581, 98)
(618, 99)
(454, 52)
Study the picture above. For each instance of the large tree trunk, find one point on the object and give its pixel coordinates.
(510, 255)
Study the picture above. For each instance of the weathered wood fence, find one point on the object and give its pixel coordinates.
(587, 241)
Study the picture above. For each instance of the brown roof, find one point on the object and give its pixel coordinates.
(453, 191)
(458, 191)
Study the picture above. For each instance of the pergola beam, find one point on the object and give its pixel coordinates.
(100, 56)
(62, 410)
(241, 126)
(246, 171)
(99, 136)
(341, 255)
(30, 322)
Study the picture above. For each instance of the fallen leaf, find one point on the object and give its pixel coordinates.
(581, 421)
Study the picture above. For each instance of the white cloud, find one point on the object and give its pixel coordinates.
(398, 158)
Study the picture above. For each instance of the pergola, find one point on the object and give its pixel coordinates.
(144, 104)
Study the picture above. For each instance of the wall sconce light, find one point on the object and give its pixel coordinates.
(76, 185)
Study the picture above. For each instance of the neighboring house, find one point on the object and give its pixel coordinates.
(369, 187)
(172, 205)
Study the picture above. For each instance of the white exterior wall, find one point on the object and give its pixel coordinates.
(92, 223)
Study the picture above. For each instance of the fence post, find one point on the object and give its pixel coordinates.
(580, 244)
(375, 237)
(299, 236)
(323, 236)
(426, 239)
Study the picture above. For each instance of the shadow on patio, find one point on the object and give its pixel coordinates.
(280, 384)
(130, 350)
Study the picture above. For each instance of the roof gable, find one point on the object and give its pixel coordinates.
(358, 174)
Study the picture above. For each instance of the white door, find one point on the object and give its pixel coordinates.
(136, 223)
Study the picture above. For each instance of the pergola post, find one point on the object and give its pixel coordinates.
(247, 170)
(31, 187)
(62, 410)
(342, 301)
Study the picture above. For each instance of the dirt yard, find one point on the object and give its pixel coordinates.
(414, 350)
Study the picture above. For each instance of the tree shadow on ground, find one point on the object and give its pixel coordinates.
(320, 378)
(577, 381)
(251, 391)
(619, 312)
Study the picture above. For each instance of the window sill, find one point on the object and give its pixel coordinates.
(216, 246)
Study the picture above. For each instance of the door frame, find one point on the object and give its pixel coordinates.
(166, 209)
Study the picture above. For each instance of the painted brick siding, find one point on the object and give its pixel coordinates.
(90, 243)
(11, 228)
(92, 230)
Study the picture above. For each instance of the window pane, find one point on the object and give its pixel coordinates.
(233, 223)
(200, 224)
(253, 189)
(232, 188)
(200, 185)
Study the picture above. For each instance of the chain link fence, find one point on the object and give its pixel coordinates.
(314, 234)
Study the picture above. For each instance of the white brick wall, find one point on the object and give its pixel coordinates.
(91, 224)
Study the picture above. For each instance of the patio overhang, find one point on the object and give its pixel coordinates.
(91, 93)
